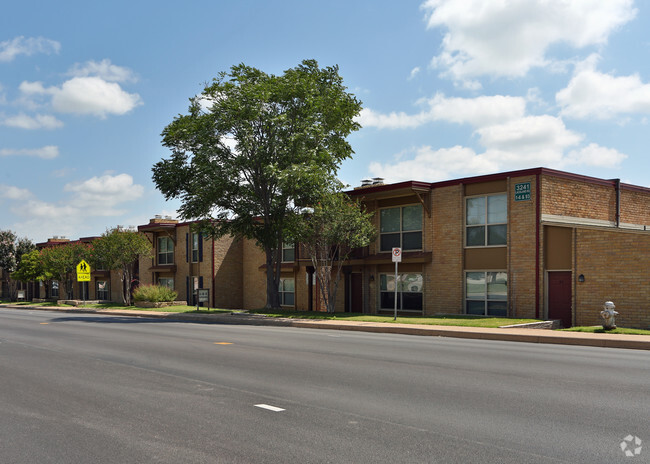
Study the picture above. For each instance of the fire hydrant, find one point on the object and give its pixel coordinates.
(609, 314)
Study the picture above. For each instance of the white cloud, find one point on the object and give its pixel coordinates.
(592, 94)
(21, 45)
(14, 193)
(86, 95)
(595, 155)
(478, 112)
(46, 152)
(39, 121)
(414, 72)
(105, 192)
(103, 69)
(501, 38)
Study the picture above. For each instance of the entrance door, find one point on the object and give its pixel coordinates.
(356, 293)
(559, 297)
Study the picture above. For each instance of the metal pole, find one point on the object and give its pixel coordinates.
(395, 317)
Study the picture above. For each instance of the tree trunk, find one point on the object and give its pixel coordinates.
(272, 280)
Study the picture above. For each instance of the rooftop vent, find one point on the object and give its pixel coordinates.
(377, 180)
(158, 216)
(366, 182)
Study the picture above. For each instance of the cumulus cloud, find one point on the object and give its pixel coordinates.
(39, 121)
(510, 38)
(478, 112)
(46, 152)
(103, 69)
(86, 95)
(105, 192)
(594, 95)
(414, 72)
(14, 193)
(510, 139)
(21, 45)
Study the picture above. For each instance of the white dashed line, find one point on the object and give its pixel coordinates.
(269, 407)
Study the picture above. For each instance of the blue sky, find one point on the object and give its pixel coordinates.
(450, 88)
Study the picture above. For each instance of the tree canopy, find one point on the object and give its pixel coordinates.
(254, 148)
(336, 226)
(12, 250)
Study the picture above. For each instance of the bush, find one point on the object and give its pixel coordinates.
(154, 293)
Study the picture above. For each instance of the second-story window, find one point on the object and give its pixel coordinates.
(401, 227)
(165, 250)
(288, 252)
(195, 247)
(486, 220)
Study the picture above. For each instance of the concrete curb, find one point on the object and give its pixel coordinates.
(636, 342)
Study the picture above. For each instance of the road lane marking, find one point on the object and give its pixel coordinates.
(222, 343)
(269, 407)
(44, 323)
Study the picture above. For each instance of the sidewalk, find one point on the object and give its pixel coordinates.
(638, 342)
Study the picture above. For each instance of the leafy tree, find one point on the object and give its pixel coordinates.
(31, 268)
(119, 250)
(253, 149)
(329, 234)
(12, 249)
(60, 261)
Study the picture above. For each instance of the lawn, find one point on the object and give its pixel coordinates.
(599, 329)
(455, 320)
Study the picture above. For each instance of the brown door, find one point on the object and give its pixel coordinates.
(559, 297)
(356, 293)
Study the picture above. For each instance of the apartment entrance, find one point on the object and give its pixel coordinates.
(560, 296)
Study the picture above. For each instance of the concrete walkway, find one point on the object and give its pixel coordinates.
(638, 342)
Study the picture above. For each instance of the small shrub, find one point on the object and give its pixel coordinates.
(154, 293)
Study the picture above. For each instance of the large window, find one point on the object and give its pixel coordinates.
(486, 293)
(288, 252)
(195, 247)
(486, 220)
(401, 227)
(409, 292)
(287, 292)
(55, 289)
(165, 250)
(166, 282)
(102, 292)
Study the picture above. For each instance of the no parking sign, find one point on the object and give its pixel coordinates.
(397, 255)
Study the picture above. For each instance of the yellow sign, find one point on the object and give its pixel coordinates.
(83, 271)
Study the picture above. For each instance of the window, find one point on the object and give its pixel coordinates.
(288, 252)
(486, 293)
(486, 220)
(102, 292)
(401, 227)
(195, 247)
(55, 289)
(166, 282)
(287, 289)
(409, 292)
(165, 250)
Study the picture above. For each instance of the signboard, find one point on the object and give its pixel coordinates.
(204, 295)
(397, 255)
(522, 191)
(83, 271)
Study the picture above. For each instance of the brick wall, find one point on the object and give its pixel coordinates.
(616, 268)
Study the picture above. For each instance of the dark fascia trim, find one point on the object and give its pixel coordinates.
(158, 226)
(409, 184)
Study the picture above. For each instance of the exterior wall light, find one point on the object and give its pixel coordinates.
(581, 278)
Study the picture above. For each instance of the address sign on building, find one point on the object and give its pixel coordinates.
(522, 191)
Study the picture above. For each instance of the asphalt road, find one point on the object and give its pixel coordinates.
(101, 389)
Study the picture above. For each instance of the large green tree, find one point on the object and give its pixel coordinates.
(256, 147)
(12, 249)
(31, 268)
(118, 250)
(329, 233)
(60, 262)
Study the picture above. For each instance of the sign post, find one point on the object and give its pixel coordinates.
(83, 275)
(203, 295)
(397, 258)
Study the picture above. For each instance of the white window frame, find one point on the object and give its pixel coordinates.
(401, 276)
(486, 224)
(401, 231)
(166, 253)
(485, 297)
(283, 292)
(107, 290)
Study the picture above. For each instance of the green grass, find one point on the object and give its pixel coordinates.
(599, 329)
(451, 320)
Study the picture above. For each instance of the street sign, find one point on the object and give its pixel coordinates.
(397, 255)
(204, 295)
(522, 191)
(83, 271)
